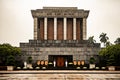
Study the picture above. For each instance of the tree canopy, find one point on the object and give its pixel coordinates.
(91, 40)
(111, 55)
(7, 50)
(117, 41)
(103, 38)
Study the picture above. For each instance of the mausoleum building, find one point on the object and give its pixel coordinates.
(60, 36)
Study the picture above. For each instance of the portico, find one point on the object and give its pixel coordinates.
(60, 23)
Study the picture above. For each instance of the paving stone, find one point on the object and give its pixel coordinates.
(60, 76)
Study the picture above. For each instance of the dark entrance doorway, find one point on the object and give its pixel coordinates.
(60, 61)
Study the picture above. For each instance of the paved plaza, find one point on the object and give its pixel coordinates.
(59, 75)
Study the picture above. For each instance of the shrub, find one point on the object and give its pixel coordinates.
(10, 60)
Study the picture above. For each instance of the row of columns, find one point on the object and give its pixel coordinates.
(55, 28)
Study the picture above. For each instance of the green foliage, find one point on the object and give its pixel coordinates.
(103, 38)
(117, 41)
(30, 59)
(10, 60)
(111, 60)
(111, 55)
(91, 40)
(7, 50)
(108, 43)
(92, 60)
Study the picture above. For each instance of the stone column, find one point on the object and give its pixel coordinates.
(65, 28)
(84, 28)
(45, 28)
(55, 28)
(74, 28)
(35, 28)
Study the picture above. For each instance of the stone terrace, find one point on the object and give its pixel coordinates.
(59, 75)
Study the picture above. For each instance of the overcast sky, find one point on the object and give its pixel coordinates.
(16, 22)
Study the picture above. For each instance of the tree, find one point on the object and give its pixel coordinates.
(117, 41)
(108, 43)
(7, 50)
(111, 55)
(103, 38)
(91, 40)
(10, 60)
(3, 54)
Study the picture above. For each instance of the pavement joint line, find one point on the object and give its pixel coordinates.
(59, 72)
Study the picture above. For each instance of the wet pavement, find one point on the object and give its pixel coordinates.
(59, 75)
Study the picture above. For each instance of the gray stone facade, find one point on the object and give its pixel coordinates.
(40, 50)
(62, 22)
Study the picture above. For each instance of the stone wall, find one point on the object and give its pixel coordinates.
(78, 53)
(83, 52)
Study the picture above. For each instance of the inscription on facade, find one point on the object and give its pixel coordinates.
(60, 12)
